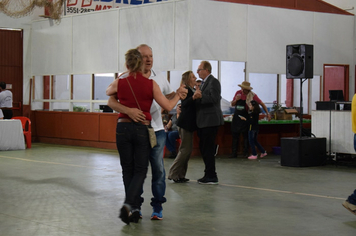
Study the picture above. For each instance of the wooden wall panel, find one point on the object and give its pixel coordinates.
(80, 125)
(11, 65)
(48, 124)
(98, 130)
(107, 127)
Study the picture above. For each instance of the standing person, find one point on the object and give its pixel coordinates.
(239, 127)
(242, 98)
(209, 118)
(172, 133)
(253, 117)
(186, 127)
(158, 183)
(5, 101)
(132, 138)
(246, 94)
(350, 202)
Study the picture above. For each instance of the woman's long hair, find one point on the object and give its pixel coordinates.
(133, 60)
(186, 77)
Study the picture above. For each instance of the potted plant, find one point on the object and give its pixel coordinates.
(276, 107)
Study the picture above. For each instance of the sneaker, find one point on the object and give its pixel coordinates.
(349, 206)
(157, 213)
(200, 179)
(207, 180)
(252, 157)
(263, 154)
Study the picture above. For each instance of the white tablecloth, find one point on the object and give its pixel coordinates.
(11, 135)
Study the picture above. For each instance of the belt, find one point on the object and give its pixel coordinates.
(6, 108)
(126, 120)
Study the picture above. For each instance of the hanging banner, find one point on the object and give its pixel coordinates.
(83, 6)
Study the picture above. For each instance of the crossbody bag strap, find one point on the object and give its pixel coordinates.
(133, 93)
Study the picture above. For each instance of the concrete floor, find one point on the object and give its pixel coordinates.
(76, 191)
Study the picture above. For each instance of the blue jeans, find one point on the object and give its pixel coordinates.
(158, 184)
(352, 198)
(134, 149)
(172, 136)
(252, 138)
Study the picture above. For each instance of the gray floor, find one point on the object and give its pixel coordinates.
(61, 190)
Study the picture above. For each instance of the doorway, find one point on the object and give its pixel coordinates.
(11, 64)
(336, 77)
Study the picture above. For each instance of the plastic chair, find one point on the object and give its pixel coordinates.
(178, 140)
(27, 132)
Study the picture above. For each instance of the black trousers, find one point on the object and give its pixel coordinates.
(207, 149)
(236, 141)
(7, 113)
(134, 148)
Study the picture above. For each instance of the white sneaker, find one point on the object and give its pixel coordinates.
(349, 206)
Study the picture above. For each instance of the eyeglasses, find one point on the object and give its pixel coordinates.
(200, 70)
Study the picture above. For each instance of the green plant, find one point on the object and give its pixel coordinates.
(276, 106)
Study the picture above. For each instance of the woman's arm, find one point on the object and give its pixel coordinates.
(112, 88)
(162, 100)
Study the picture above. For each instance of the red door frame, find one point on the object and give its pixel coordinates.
(345, 78)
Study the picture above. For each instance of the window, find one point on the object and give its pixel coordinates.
(265, 86)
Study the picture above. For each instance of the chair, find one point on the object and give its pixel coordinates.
(26, 122)
(179, 141)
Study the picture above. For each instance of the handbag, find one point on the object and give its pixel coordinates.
(151, 132)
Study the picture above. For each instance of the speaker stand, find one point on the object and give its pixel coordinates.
(301, 108)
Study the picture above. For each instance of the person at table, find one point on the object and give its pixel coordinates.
(197, 83)
(172, 133)
(5, 101)
(132, 138)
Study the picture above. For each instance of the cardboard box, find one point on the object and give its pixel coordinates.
(287, 114)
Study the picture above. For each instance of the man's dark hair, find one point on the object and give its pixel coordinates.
(3, 85)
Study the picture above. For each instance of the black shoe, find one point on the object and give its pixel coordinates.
(124, 214)
(181, 180)
(201, 179)
(135, 216)
(185, 180)
(173, 155)
(208, 180)
(178, 181)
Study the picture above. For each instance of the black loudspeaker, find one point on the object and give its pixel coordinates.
(299, 61)
(303, 152)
